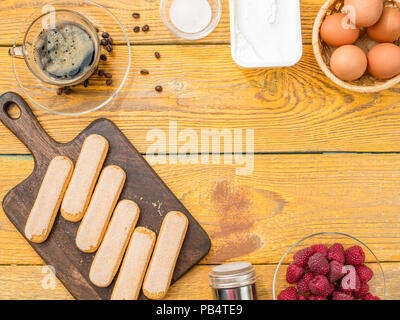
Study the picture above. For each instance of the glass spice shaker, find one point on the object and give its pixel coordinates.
(234, 281)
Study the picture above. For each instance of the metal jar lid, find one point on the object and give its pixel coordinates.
(232, 275)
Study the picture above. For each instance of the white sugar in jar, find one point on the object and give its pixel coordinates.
(190, 16)
(191, 19)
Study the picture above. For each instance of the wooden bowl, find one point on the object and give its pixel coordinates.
(323, 52)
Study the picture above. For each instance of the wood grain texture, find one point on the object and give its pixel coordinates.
(194, 285)
(151, 194)
(258, 217)
(14, 13)
(291, 110)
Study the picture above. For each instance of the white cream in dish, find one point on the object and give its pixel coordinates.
(265, 33)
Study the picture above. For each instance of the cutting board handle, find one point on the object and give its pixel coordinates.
(25, 127)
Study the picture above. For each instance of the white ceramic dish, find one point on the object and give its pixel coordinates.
(265, 33)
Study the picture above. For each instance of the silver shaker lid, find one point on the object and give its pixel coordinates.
(232, 275)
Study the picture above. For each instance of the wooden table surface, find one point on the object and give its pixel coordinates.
(326, 159)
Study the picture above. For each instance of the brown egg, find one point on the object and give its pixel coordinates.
(337, 30)
(387, 29)
(364, 13)
(348, 62)
(384, 61)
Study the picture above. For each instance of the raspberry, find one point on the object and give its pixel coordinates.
(351, 281)
(355, 256)
(301, 257)
(336, 272)
(312, 297)
(320, 286)
(338, 295)
(321, 248)
(333, 273)
(289, 293)
(369, 296)
(302, 285)
(318, 264)
(364, 289)
(294, 273)
(350, 269)
(336, 252)
(364, 273)
(331, 288)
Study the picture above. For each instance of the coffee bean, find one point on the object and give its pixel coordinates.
(103, 57)
(136, 29)
(159, 88)
(104, 42)
(136, 15)
(146, 28)
(101, 73)
(144, 72)
(109, 82)
(109, 48)
(59, 91)
(86, 83)
(105, 35)
(110, 40)
(157, 55)
(108, 75)
(67, 90)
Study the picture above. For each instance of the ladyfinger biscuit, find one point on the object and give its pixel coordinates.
(130, 277)
(162, 264)
(87, 169)
(105, 197)
(48, 200)
(108, 257)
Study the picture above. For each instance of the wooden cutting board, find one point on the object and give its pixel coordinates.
(143, 186)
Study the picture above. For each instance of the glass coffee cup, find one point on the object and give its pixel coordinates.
(60, 47)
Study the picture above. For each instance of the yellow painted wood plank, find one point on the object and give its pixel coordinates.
(14, 16)
(34, 282)
(259, 216)
(290, 110)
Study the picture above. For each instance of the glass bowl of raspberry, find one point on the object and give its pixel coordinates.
(329, 266)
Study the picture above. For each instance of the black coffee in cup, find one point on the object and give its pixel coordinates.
(65, 52)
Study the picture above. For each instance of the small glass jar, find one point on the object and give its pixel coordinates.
(216, 10)
(234, 281)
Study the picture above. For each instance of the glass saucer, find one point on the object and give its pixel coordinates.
(377, 285)
(80, 99)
